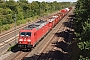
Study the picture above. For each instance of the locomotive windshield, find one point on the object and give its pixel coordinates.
(25, 34)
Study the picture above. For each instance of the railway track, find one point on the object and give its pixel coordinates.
(46, 51)
(20, 55)
(9, 36)
(51, 48)
(49, 45)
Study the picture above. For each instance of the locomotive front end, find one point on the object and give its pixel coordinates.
(24, 40)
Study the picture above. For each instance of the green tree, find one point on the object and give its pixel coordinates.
(23, 9)
(82, 26)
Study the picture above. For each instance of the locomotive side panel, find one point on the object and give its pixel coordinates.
(40, 33)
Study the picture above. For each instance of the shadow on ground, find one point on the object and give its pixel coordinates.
(57, 55)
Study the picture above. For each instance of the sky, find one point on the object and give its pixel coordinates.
(53, 0)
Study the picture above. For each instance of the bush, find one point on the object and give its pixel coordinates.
(6, 27)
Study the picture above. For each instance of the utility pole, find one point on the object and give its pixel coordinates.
(71, 3)
(15, 26)
(39, 10)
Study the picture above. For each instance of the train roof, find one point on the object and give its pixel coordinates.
(36, 25)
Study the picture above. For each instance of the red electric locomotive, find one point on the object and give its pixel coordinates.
(30, 34)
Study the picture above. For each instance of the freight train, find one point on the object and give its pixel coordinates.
(30, 35)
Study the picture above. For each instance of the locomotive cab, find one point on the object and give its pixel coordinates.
(26, 37)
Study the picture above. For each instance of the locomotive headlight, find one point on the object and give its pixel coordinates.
(21, 40)
(29, 40)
